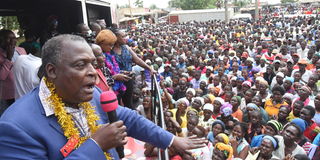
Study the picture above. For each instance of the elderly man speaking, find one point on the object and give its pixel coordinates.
(63, 119)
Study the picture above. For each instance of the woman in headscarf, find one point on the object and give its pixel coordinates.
(263, 91)
(237, 113)
(217, 105)
(217, 127)
(124, 56)
(106, 40)
(238, 140)
(272, 128)
(265, 149)
(304, 96)
(222, 152)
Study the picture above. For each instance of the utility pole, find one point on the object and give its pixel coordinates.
(226, 12)
(130, 8)
(256, 12)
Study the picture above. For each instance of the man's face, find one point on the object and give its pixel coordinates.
(305, 115)
(74, 75)
(296, 109)
(10, 40)
(290, 133)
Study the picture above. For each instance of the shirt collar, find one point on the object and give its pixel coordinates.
(44, 94)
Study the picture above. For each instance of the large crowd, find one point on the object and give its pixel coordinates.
(250, 88)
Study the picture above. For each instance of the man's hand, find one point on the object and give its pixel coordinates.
(111, 135)
(182, 145)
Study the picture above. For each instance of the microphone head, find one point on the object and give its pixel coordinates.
(109, 101)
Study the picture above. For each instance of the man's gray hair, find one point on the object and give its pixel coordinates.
(52, 49)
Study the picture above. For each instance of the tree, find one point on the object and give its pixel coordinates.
(138, 3)
(9, 22)
(288, 1)
(153, 6)
(241, 3)
(192, 4)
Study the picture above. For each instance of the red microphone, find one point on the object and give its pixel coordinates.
(109, 104)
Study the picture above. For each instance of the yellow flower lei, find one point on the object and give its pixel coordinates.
(65, 119)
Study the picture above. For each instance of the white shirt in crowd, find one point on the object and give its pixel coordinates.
(25, 70)
(303, 53)
(305, 77)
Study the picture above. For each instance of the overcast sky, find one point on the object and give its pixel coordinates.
(147, 3)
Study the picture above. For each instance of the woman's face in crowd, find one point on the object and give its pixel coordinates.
(196, 104)
(287, 84)
(269, 131)
(122, 38)
(216, 105)
(248, 96)
(277, 96)
(283, 113)
(216, 80)
(106, 47)
(203, 85)
(297, 77)
(305, 115)
(234, 102)
(266, 147)
(189, 95)
(207, 114)
(191, 113)
(192, 123)
(146, 102)
(237, 132)
(262, 88)
(224, 81)
(303, 92)
(216, 129)
(182, 107)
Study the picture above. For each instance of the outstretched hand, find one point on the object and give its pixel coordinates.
(183, 145)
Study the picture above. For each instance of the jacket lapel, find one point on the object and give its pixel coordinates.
(53, 122)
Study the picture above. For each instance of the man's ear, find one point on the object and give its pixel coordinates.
(50, 69)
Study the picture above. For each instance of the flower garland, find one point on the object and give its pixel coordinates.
(113, 66)
(65, 119)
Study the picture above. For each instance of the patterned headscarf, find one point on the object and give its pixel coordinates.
(226, 149)
(224, 137)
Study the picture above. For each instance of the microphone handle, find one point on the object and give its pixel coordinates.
(112, 116)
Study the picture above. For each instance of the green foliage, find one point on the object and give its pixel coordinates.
(138, 3)
(153, 6)
(241, 3)
(288, 1)
(9, 22)
(193, 4)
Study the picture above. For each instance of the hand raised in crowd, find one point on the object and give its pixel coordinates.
(121, 77)
(183, 145)
(289, 157)
(234, 142)
(111, 135)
